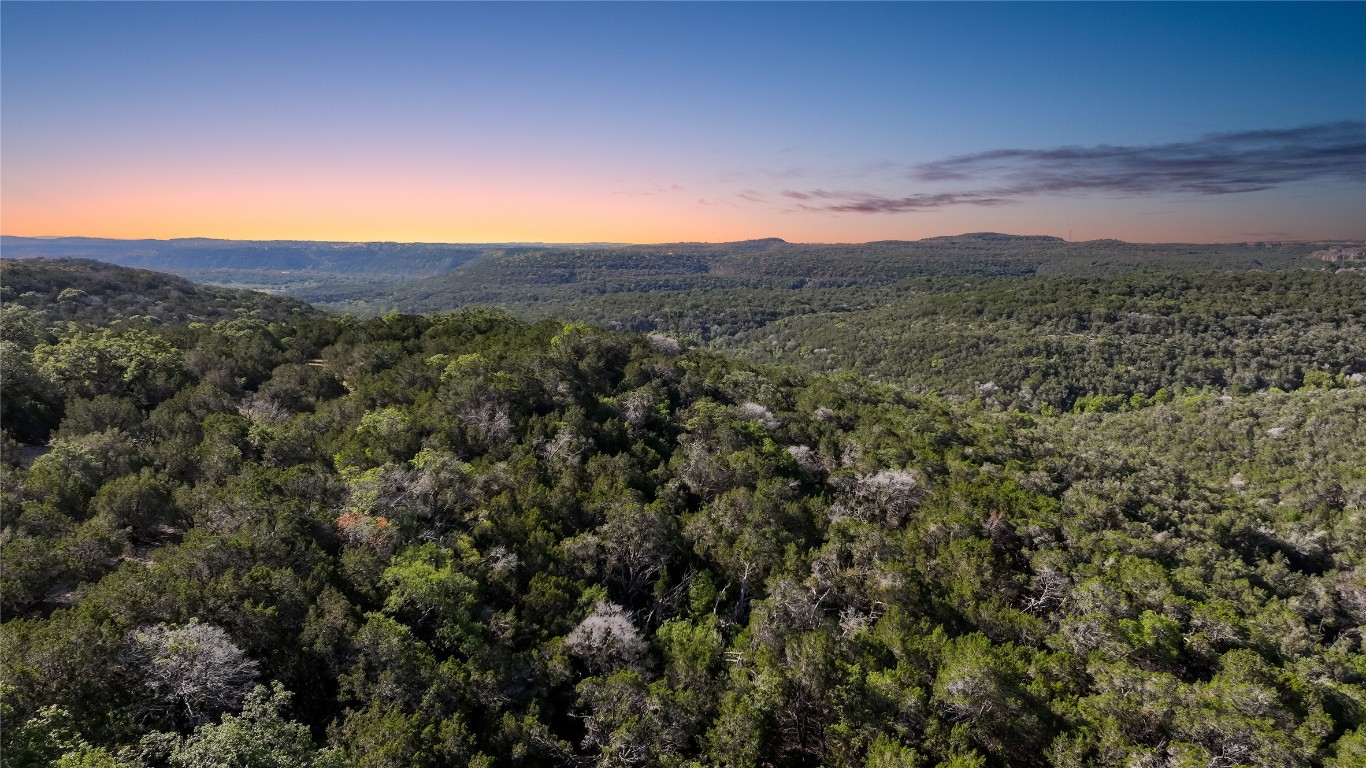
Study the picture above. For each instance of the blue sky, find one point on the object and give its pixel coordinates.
(652, 122)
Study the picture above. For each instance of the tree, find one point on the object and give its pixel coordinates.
(746, 532)
(136, 364)
(69, 475)
(1350, 750)
(979, 685)
(632, 546)
(428, 591)
(628, 723)
(85, 416)
(607, 640)
(190, 673)
(39, 740)
(260, 737)
(31, 404)
(141, 502)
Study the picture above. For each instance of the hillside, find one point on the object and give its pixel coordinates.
(1086, 342)
(90, 291)
(531, 277)
(1036, 342)
(463, 539)
(277, 266)
(373, 278)
(247, 255)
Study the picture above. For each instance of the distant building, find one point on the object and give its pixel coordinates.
(1339, 253)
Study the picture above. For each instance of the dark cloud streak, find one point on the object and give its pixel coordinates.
(1215, 164)
(858, 202)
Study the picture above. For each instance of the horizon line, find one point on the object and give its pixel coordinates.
(623, 243)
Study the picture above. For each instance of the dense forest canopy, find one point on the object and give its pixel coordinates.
(376, 278)
(202, 254)
(1091, 343)
(1034, 343)
(1034, 323)
(94, 292)
(531, 276)
(283, 538)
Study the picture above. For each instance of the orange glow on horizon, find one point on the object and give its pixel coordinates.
(383, 207)
(408, 198)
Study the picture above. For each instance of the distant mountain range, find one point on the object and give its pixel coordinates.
(405, 259)
(368, 277)
(417, 259)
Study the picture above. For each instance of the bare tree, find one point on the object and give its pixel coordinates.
(887, 497)
(190, 673)
(607, 640)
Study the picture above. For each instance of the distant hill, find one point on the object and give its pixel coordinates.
(370, 278)
(85, 290)
(1065, 342)
(407, 259)
(996, 237)
(570, 274)
(277, 266)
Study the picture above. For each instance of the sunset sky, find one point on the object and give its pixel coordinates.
(841, 122)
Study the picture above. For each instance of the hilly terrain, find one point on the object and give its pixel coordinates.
(560, 274)
(286, 538)
(265, 264)
(1105, 342)
(93, 291)
(1027, 322)
(370, 278)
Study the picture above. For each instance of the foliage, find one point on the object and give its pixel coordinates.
(86, 291)
(468, 539)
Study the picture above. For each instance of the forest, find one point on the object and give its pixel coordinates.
(368, 279)
(527, 277)
(1078, 517)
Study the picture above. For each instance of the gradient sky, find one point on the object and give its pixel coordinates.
(661, 122)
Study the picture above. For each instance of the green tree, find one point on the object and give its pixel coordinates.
(135, 364)
(259, 737)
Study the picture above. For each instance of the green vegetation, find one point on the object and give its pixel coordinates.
(245, 256)
(272, 265)
(88, 291)
(1033, 323)
(1095, 343)
(528, 277)
(1107, 342)
(466, 539)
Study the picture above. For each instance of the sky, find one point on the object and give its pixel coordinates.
(663, 122)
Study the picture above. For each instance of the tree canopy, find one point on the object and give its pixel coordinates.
(469, 539)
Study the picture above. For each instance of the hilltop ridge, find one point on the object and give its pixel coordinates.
(365, 278)
(90, 291)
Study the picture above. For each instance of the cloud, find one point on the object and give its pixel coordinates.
(1215, 164)
(862, 202)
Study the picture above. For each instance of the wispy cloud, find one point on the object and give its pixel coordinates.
(862, 202)
(1215, 164)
